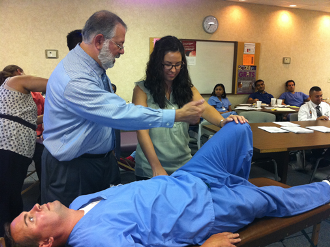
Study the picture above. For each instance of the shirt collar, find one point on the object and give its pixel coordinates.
(91, 62)
(314, 105)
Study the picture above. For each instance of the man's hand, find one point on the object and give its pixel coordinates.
(224, 239)
(323, 118)
(190, 112)
(235, 118)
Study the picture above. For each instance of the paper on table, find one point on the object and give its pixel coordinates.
(319, 128)
(272, 129)
(298, 130)
(287, 124)
(245, 108)
(283, 109)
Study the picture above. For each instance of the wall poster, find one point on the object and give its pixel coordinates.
(246, 77)
(190, 51)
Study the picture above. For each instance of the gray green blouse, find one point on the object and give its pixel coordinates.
(171, 144)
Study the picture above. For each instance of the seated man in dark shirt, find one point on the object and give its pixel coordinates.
(261, 94)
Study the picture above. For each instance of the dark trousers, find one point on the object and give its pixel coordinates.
(66, 180)
(37, 158)
(13, 170)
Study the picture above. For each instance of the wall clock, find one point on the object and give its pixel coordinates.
(210, 24)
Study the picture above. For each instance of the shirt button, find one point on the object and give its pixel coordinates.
(167, 124)
(149, 124)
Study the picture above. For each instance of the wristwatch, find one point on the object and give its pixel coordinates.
(220, 123)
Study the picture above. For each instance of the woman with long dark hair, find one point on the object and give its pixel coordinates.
(167, 85)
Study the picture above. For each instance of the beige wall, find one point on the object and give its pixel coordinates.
(28, 27)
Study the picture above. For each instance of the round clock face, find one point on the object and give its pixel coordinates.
(210, 24)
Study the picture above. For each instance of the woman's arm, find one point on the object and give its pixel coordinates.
(25, 84)
(229, 108)
(140, 98)
(212, 115)
(40, 119)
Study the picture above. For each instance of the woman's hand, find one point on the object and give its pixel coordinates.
(159, 171)
(235, 118)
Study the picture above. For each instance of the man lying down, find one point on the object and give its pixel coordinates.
(209, 194)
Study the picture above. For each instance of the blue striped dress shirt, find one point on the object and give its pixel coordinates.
(80, 113)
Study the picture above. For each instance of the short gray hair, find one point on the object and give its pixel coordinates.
(102, 22)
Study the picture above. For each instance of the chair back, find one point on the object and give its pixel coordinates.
(258, 117)
(294, 116)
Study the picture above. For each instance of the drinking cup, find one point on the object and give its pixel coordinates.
(258, 104)
(273, 101)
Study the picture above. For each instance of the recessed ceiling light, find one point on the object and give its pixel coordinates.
(293, 5)
(241, 0)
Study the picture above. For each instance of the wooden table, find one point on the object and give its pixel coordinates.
(278, 145)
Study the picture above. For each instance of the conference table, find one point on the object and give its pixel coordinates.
(278, 145)
(277, 111)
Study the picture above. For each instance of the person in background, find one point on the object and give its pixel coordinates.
(167, 85)
(114, 88)
(220, 101)
(291, 97)
(260, 94)
(315, 109)
(208, 195)
(18, 120)
(73, 38)
(81, 113)
(40, 101)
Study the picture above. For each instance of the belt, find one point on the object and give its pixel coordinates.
(95, 156)
(19, 120)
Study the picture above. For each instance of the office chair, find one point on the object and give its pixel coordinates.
(323, 172)
(258, 117)
(126, 142)
(294, 116)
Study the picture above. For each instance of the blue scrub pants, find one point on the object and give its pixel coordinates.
(223, 163)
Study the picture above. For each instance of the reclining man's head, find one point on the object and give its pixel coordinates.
(46, 225)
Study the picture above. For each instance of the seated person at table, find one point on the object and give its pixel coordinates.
(208, 195)
(220, 102)
(291, 97)
(260, 95)
(315, 109)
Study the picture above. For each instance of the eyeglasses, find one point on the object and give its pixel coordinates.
(120, 47)
(176, 66)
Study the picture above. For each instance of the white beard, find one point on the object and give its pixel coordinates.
(105, 56)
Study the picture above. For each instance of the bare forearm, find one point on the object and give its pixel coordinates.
(148, 149)
(40, 119)
(251, 101)
(212, 115)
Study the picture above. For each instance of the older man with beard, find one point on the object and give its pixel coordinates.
(81, 111)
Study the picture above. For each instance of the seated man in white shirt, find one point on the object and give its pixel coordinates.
(315, 109)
